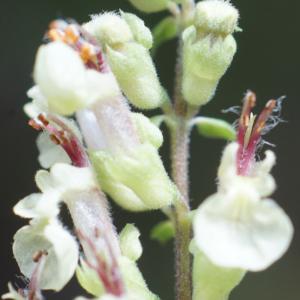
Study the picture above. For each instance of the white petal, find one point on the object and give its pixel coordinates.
(38, 206)
(60, 74)
(38, 105)
(241, 232)
(101, 86)
(259, 179)
(70, 179)
(62, 249)
(50, 153)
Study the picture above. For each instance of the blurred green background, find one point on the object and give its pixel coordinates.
(267, 62)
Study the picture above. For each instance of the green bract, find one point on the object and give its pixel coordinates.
(136, 180)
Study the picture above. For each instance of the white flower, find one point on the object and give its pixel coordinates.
(237, 227)
(62, 182)
(49, 152)
(60, 248)
(66, 83)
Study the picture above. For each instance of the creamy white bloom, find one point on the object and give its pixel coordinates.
(62, 182)
(59, 246)
(66, 83)
(237, 227)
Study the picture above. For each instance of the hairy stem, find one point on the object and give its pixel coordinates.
(180, 141)
(180, 151)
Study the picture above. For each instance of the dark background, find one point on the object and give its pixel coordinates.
(267, 62)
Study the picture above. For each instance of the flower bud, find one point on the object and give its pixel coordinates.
(146, 130)
(216, 16)
(136, 179)
(141, 33)
(109, 28)
(150, 6)
(208, 50)
(134, 69)
(130, 243)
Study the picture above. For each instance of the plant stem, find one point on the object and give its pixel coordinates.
(179, 155)
(180, 141)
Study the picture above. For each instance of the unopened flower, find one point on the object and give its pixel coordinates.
(126, 41)
(239, 227)
(100, 262)
(208, 49)
(150, 6)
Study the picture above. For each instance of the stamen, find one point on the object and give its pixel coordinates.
(61, 134)
(250, 132)
(76, 37)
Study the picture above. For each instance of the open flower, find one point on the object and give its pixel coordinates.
(238, 227)
(62, 182)
(46, 242)
(69, 72)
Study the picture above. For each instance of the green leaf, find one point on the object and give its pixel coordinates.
(164, 31)
(215, 128)
(163, 232)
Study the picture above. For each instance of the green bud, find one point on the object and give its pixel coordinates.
(141, 33)
(89, 280)
(163, 232)
(208, 50)
(205, 60)
(217, 16)
(150, 6)
(147, 131)
(129, 242)
(109, 28)
(215, 128)
(136, 179)
(136, 74)
(134, 281)
(211, 282)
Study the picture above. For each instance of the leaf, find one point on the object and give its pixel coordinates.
(163, 232)
(215, 128)
(164, 31)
